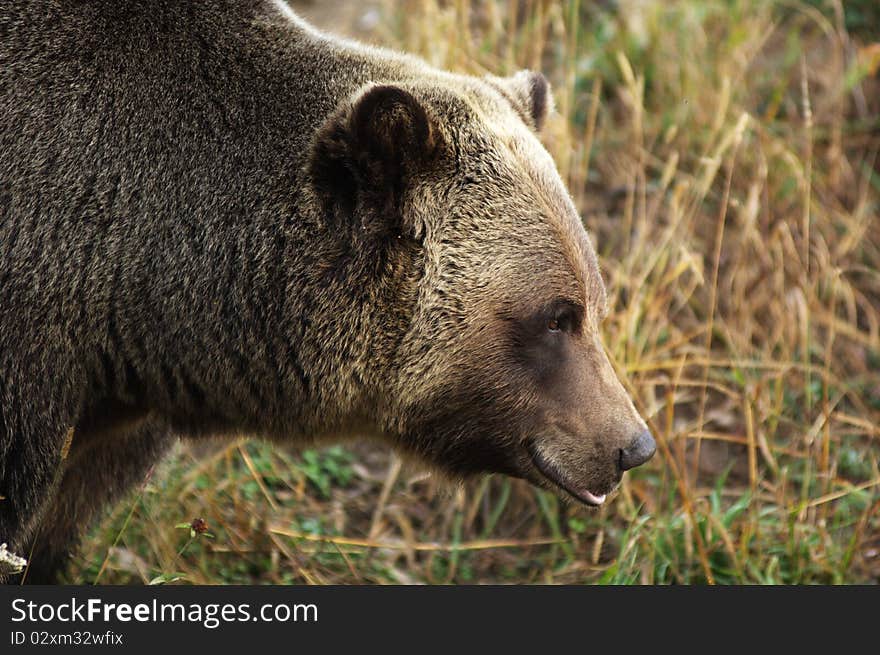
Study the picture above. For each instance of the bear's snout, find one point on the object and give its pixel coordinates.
(639, 451)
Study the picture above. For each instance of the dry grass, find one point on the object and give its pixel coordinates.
(725, 157)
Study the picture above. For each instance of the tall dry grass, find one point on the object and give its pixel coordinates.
(725, 157)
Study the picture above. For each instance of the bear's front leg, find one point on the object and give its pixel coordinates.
(98, 470)
(31, 444)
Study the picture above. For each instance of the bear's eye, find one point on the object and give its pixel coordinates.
(564, 319)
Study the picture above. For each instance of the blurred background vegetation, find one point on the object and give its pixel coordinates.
(725, 156)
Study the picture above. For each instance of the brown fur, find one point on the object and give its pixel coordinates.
(216, 220)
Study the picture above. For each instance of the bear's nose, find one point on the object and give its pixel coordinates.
(639, 451)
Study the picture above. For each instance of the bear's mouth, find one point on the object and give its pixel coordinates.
(551, 472)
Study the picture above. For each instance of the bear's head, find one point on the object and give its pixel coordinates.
(480, 281)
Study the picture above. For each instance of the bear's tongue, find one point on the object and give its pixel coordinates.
(592, 498)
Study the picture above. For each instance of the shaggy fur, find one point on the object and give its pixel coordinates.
(216, 220)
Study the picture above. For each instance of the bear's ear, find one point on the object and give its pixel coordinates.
(529, 93)
(367, 154)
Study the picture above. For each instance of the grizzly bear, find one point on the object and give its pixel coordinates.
(215, 219)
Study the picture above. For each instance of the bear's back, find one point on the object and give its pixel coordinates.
(152, 135)
(152, 159)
